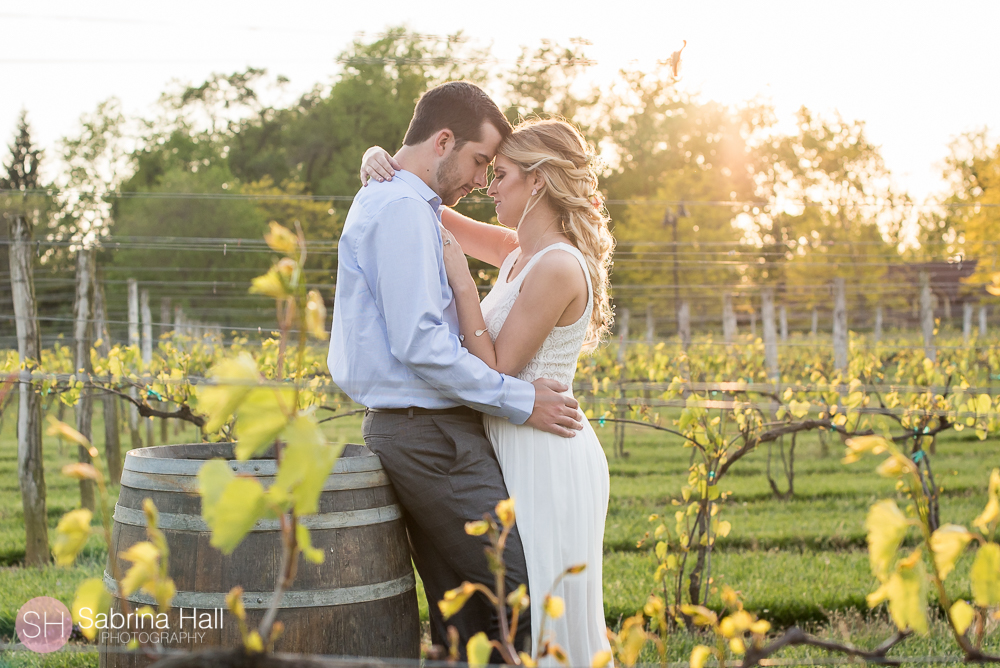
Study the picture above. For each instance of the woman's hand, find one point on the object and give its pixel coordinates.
(456, 264)
(377, 164)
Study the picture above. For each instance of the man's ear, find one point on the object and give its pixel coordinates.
(442, 140)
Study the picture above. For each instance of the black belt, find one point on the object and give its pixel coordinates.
(417, 410)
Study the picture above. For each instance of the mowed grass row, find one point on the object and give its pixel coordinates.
(794, 561)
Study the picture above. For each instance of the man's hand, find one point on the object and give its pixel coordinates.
(555, 412)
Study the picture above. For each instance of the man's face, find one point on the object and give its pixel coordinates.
(462, 170)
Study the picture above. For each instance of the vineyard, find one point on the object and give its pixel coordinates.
(722, 476)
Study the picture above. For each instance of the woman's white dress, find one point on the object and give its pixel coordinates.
(560, 485)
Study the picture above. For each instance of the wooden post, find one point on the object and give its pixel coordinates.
(82, 331)
(650, 324)
(30, 469)
(684, 323)
(770, 332)
(878, 324)
(112, 442)
(927, 316)
(165, 315)
(133, 341)
(982, 321)
(947, 311)
(966, 321)
(815, 323)
(623, 334)
(783, 321)
(839, 324)
(147, 348)
(728, 318)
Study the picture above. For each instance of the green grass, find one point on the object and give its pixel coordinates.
(795, 561)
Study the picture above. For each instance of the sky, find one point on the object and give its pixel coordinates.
(918, 73)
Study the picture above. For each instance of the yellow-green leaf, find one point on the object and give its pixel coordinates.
(478, 650)
(983, 404)
(699, 656)
(947, 545)
(260, 418)
(72, 533)
(455, 599)
(505, 511)
(961, 614)
(233, 379)
(304, 540)
(985, 575)
(799, 409)
(316, 315)
(92, 597)
(907, 594)
(306, 462)
(887, 526)
(477, 528)
(281, 239)
(145, 560)
(554, 606)
(234, 512)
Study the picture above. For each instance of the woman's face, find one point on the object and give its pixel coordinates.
(510, 190)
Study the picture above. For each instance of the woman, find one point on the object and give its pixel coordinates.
(550, 301)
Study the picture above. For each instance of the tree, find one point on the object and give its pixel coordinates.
(966, 230)
(833, 211)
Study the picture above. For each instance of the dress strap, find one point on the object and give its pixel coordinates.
(572, 250)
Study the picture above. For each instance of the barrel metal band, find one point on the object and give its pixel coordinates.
(252, 466)
(253, 600)
(189, 484)
(337, 520)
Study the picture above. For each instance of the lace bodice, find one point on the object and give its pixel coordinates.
(557, 357)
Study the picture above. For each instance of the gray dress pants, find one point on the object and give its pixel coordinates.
(445, 473)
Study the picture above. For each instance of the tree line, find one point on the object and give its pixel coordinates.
(705, 197)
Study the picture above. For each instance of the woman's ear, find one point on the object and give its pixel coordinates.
(537, 181)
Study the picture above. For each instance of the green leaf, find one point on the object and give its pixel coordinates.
(306, 462)
(219, 401)
(304, 540)
(94, 598)
(887, 526)
(234, 512)
(479, 649)
(985, 575)
(261, 417)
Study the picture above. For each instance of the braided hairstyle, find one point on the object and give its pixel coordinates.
(557, 151)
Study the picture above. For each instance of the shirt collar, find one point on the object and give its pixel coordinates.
(424, 190)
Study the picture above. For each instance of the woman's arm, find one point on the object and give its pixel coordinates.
(555, 291)
(487, 243)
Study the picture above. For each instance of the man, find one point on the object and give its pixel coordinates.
(395, 349)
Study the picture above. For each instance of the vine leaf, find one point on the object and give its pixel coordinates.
(985, 575)
(887, 526)
(947, 545)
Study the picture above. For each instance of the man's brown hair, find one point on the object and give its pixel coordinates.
(459, 106)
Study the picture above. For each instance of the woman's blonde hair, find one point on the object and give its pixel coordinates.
(559, 154)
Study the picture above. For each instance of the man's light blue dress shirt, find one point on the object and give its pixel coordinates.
(395, 342)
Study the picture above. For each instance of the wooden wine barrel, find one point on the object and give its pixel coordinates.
(360, 602)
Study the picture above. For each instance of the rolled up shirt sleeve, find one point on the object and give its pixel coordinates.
(401, 257)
